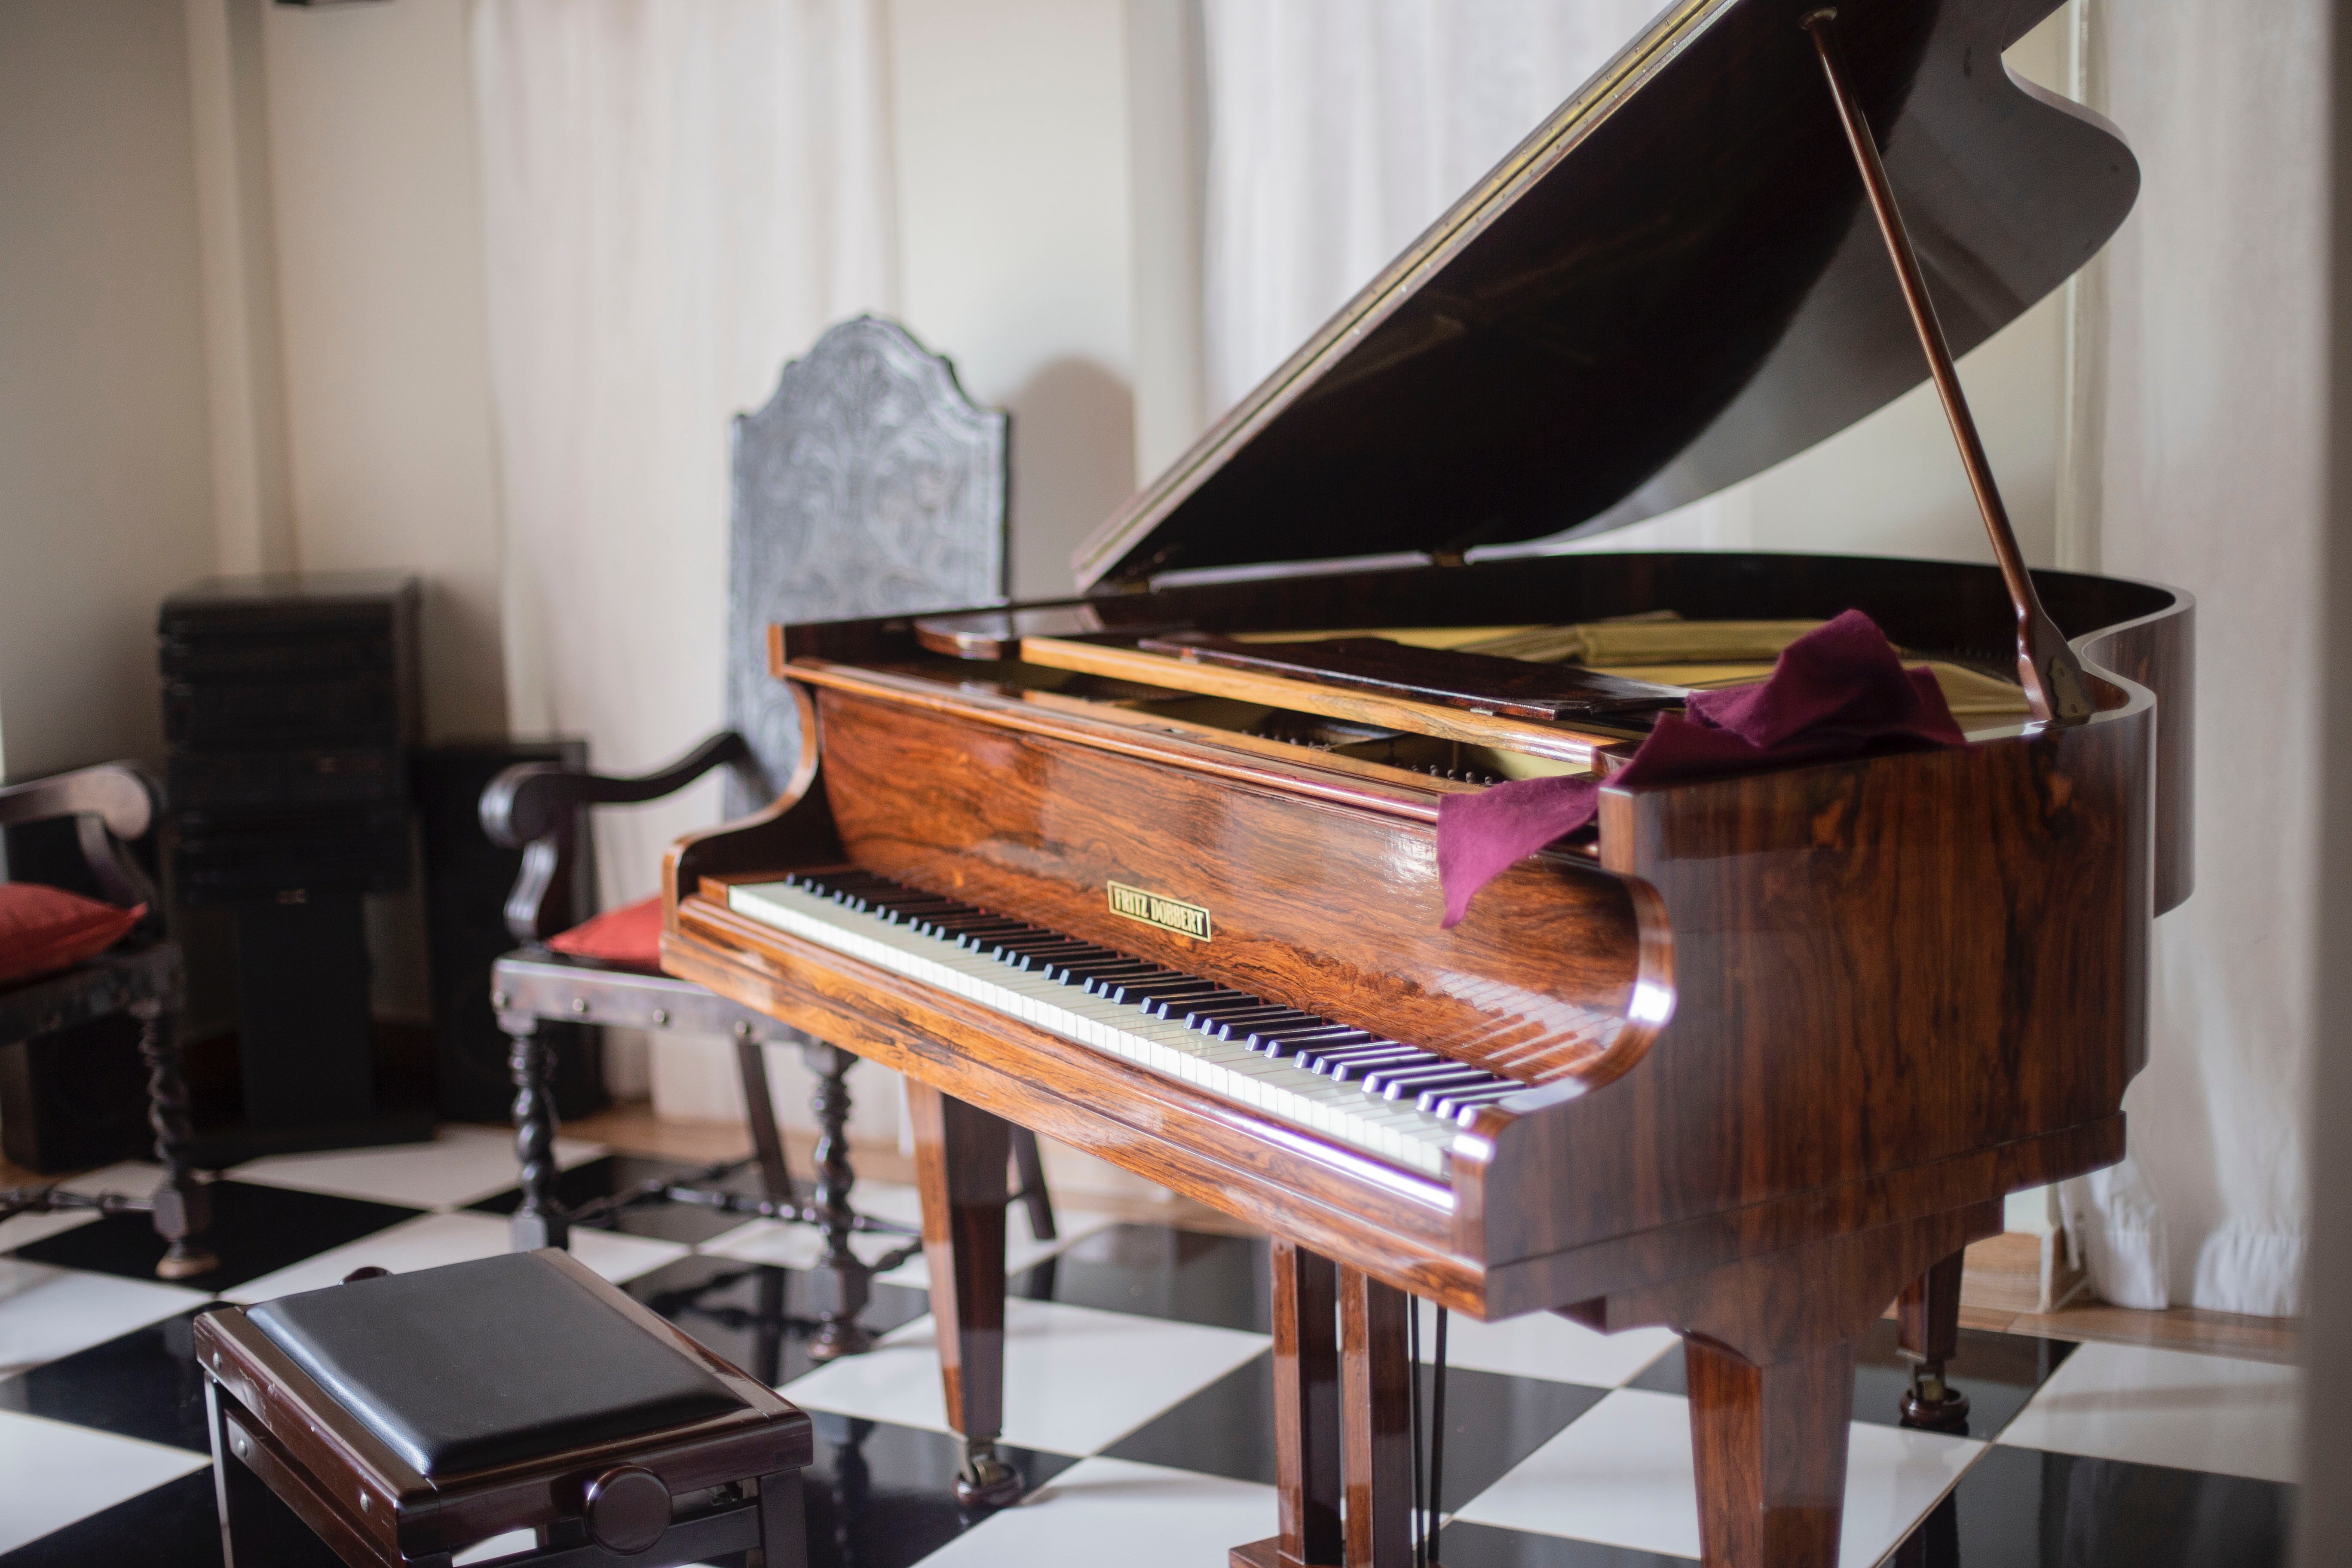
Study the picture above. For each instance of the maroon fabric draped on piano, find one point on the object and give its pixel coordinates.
(1837, 690)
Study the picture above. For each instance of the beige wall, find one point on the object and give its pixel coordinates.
(1010, 121)
(105, 486)
(379, 257)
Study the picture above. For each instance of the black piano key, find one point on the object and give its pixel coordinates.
(1289, 1042)
(1319, 1058)
(1352, 1069)
(1175, 1009)
(1180, 988)
(1207, 1018)
(977, 935)
(1451, 1103)
(1022, 953)
(1079, 970)
(1111, 986)
(1393, 1084)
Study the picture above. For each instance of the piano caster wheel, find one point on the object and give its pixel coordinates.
(1934, 1406)
(985, 1481)
(835, 1338)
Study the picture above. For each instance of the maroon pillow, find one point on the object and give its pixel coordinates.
(44, 929)
(630, 936)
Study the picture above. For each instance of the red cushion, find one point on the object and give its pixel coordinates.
(630, 936)
(44, 929)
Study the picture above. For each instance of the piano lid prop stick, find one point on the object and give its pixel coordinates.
(2053, 680)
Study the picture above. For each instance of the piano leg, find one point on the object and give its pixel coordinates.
(961, 1155)
(1306, 1415)
(1376, 1437)
(1770, 1443)
(1928, 1320)
(1768, 1344)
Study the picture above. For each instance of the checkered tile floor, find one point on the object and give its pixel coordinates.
(1138, 1388)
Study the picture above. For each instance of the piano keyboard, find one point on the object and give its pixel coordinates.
(1391, 1099)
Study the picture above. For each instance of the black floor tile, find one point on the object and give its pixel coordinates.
(883, 1496)
(756, 1316)
(1159, 1271)
(256, 1230)
(144, 1384)
(688, 1222)
(1483, 1546)
(174, 1526)
(1492, 1422)
(2019, 1507)
(1999, 1373)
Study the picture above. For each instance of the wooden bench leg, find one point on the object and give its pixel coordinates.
(783, 1523)
(961, 1155)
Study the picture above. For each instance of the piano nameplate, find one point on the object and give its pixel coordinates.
(1157, 910)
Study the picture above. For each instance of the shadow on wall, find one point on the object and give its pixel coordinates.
(1073, 466)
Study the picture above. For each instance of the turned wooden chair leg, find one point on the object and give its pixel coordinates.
(540, 1221)
(841, 1282)
(181, 1206)
(961, 1155)
(1928, 1319)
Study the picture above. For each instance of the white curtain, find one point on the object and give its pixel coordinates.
(2211, 469)
(1340, 129)
(678, 199)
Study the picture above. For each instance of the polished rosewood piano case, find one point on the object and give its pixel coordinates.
(1786, 1038)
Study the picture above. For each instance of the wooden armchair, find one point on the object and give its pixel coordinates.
(869, 485)
(74, 960)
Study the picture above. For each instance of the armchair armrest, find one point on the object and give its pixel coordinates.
(111, 804)
(535, 807)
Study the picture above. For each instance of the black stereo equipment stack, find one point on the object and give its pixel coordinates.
(290, 708)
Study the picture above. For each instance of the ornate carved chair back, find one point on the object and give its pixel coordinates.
(869, 485)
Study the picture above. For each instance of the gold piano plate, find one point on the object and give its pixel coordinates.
(1159, 910)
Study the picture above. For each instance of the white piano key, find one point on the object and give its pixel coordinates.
(1227, 1069)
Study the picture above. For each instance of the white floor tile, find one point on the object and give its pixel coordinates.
(461, 1165)
(52, 1474)
(1142, 1516)
(131, 1176)
(46, 1314)
(2169, 1407)
(1541, 1344)
(1621, 1475)
(800, 1245)
(1076, 1380)
(431, 1241)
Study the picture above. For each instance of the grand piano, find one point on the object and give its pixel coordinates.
(1154, 870)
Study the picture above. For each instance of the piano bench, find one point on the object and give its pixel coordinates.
(401, 1419)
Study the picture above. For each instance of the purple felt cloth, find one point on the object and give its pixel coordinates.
(1835, 691)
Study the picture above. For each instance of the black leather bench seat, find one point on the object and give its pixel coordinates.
(491, 1362)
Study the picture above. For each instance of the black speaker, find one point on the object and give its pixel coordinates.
(467, 878)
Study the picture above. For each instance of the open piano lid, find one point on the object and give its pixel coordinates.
(1672, 285)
